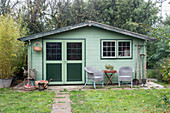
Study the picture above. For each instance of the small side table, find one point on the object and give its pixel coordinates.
(109, 76)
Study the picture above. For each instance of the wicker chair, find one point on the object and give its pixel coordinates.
(125, 74)
(95, 75)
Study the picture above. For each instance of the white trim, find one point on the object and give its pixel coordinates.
(117, 48)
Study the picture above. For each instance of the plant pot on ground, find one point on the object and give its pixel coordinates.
(5, 77)
(5, 83)
(143, 81)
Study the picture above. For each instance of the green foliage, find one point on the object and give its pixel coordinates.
(64, 90)
(167, 21)
(165, 71)
(109, 67)
(7, 6)
(31, 102)
(11, 50)
(33, 15)
(153, 73)
(164, 101)
(159, 49)
(43, 15)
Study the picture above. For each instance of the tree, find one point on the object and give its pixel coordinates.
(7, 6)
(133, 15)
(167, 20)
(160, 49)
(10, 48)
(33, 13)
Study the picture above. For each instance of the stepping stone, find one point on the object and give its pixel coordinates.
(61, 111)
(62, 99)
(155, 85)
(62, 96)
(61, 103)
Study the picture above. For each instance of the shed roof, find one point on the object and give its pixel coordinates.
(80, 25)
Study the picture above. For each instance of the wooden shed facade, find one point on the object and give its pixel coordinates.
(66, 51)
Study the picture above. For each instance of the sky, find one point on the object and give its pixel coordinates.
(165, 7)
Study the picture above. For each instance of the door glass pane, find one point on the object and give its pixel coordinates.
(74, 51)
(53, 51)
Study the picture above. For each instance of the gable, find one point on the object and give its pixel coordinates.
(88, 33)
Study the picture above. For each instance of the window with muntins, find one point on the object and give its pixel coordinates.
(74, 51)
(116, 49)
(53, 51)
(108, 49)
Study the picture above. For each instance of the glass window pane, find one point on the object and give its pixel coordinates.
(74, 51)
(53, 51)
(104, 43)
(124, 49)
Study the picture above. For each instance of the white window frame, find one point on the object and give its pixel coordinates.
(116, 49)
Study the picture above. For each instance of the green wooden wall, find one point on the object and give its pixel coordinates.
(92, 36)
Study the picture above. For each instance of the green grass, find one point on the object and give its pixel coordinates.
(61, 102)
(32, 101)
(120, 101)
(64, 90)
(59, 97)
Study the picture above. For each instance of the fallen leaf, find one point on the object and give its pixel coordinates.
(125, 109)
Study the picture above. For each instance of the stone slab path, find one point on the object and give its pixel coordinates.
(61, 103)
(155, 85)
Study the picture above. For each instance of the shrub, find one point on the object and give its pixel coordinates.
(10, 48)
(165, 71)
(154, 73)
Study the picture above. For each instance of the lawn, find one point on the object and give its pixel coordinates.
(32, 101)
(120, 101)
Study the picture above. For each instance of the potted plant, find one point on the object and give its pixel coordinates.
(109, 67)
(10, 48)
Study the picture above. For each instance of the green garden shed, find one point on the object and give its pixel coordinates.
(66, 51)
